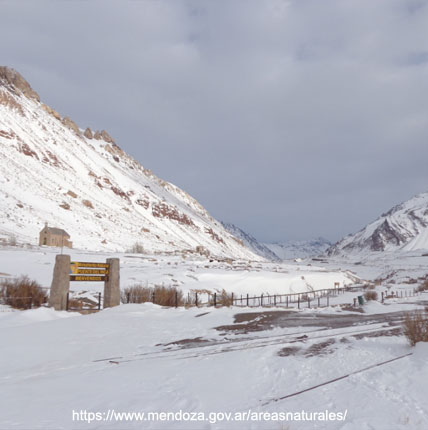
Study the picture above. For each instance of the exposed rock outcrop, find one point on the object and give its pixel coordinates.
(88, 133)
(51, 111)
(16, 83)
(69, 123)
(103, 135)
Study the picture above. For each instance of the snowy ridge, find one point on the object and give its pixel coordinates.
(251, 242)
(53, 171)
(402, 228)
(299, 249)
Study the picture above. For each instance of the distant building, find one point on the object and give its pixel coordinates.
(52, 236)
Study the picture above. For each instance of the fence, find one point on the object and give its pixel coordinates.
(29, 301)
(83, 304)
(308, 299)
(318, 298)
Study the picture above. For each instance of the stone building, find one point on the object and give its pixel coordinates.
(52, 236)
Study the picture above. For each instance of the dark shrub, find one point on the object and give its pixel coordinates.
(416, 327)
(22, 293)
(164, 296)
(370, 295)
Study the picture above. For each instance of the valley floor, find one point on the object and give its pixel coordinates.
(59, 368)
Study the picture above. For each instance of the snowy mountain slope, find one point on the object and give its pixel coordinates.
(403, 228)
(53, 171)
(251, 242)
(299, 249)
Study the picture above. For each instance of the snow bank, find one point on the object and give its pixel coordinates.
(32, 316)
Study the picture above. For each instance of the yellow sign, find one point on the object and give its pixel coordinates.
(90, 271)
(78, 270)
(87, 264)
(88, 278)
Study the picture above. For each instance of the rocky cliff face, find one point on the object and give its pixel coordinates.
(51, 170)
(404, 227)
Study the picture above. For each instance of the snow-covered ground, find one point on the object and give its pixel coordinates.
(118, 359)
(58, 369)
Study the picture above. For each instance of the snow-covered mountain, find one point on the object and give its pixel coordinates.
(251, 242)
(299, 249)
(51, 170)
(403, 228)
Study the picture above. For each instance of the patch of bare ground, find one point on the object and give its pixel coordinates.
(391, 332)
(321, 348)
(186, 343)
(252, 321)
(288, 350)
(316, 349)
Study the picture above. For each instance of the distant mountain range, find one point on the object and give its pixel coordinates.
(52, 170)
(299, 249)
(402, 228)
(280, 250)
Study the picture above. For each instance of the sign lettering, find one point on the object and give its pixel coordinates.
(88, 278)
(91, 271)
(87, 264)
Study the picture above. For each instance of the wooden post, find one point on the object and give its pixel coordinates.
(232, 299)
(287, 301)
(196, 299)
(99, 301)
(248, 300)
(328, 300)
(215, 299)
(112, 284)
(298, 301)
(67, 307)
(261, 300)
(318, 301)
(176, 298)
(153, 297)
(60, 283)
(274, 300)
(309, 302)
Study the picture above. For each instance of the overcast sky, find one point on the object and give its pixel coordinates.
(291, 119)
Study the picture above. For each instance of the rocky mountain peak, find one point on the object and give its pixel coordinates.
(402, 228)
(15, 82)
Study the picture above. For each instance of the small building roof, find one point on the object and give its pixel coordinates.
(58, 231)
